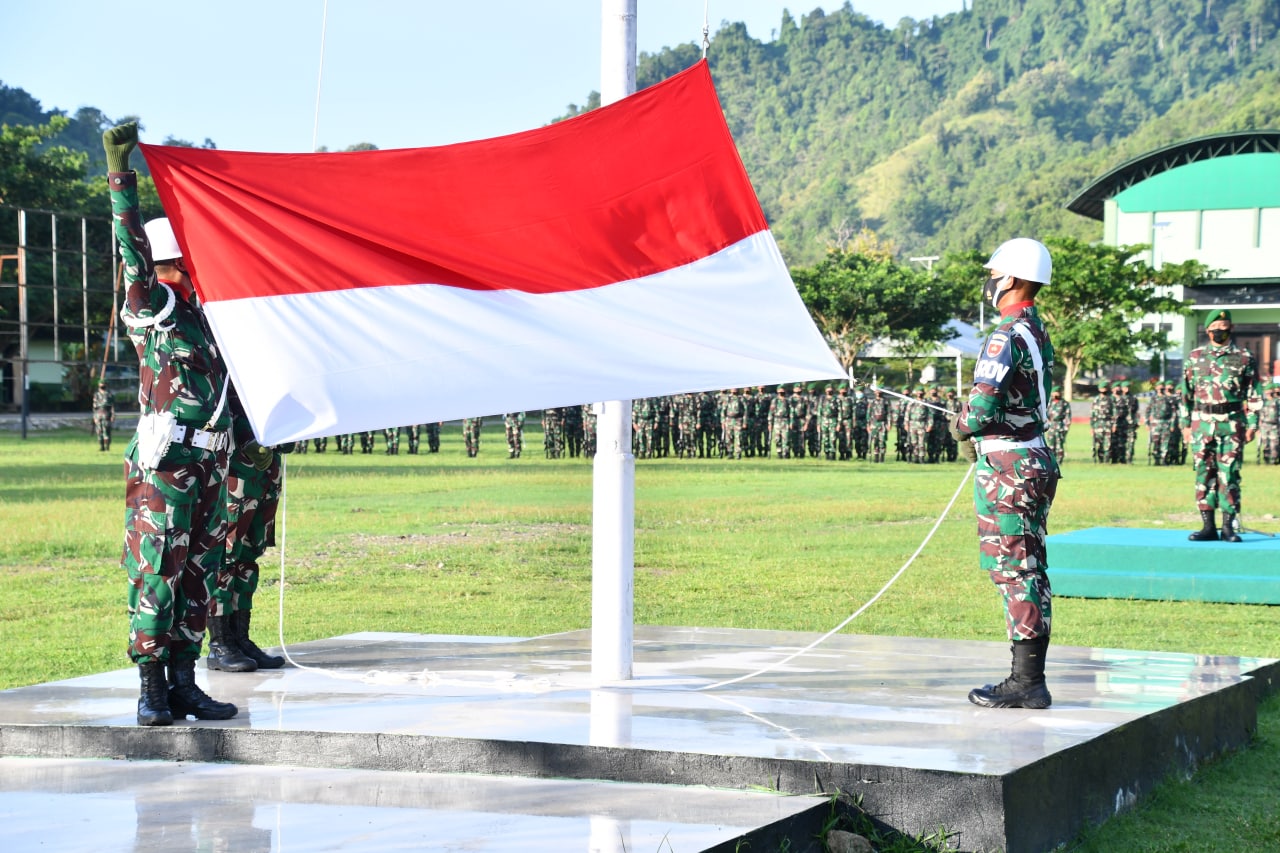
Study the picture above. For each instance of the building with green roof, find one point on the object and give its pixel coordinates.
(1215, 199)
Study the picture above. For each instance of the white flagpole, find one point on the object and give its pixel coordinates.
(614, 470)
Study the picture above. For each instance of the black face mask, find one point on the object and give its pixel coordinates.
(1219, 336)
(989, 290)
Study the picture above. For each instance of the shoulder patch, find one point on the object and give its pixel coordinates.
(996, 344)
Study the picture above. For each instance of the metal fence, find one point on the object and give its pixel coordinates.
(60, 295)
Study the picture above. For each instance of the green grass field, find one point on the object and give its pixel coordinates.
(446, 544)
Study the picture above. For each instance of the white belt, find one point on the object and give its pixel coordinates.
(991, 445)
(203, 439)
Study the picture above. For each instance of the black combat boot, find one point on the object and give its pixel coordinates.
(153, 701)
(1024, 688)
(224, 651)
(1230, 532)
(240, 621)
(187, 699)
(1207, 533)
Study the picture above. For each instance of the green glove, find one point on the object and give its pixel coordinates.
(963, 442)
(119, 143)
(260, 457)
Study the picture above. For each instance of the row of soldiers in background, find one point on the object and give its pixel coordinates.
(1115, 421)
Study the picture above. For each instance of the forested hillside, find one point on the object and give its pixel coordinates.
(948, 134)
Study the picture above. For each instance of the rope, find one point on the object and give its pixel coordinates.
(860, 610)
(324, 26)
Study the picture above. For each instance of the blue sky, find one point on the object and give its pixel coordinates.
(397, 73)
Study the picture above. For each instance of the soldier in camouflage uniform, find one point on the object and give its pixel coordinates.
(366, 442)
(572, 430)
(827, 414)
(175, 493)
(879, 414)
(513, 423)
(392, 436)
(1101, 418)
(938, 422)
(253, 494)
(1017, 475)
(919, 419)
(844, 424)
(321, 443)
(734, 418)
(1161, 417)
(414, 433)
(801, 414)
(346, 443)
(1126, 424)
(1269, 425)
(780, 423)
(471, 435)
(949, 446)
(1220, 395)
(861, 424)
(1059, 425)
(433, 436)
(104, 413)
(553, 433)
(644, 419)
(902, 430)
(588, 431)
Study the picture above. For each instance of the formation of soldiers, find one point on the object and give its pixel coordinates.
(1115, 420)
(836, 423)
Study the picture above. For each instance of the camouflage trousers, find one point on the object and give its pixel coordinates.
(471, 434)
(515, 440)
(252, 499)
(1218, 451)
(346, 443)
(1013, 491)
(1159, 435)
(392, 436)
(1056, 438)
(831, 445)
(879, 437)
(1269, 444)
(1102, 444)
(781, 439)
(175, 528)
(734, 437)
(102, 428)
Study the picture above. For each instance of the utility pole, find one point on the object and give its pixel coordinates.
(614, 469)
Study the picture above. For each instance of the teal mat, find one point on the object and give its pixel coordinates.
(1163, 565)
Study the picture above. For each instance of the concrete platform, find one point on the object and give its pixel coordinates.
(883, 718)
(1163, 565)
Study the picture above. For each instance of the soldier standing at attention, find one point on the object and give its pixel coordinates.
(844, 424)
(366, 442)
(1161, 412)
(780, 423)
(471, 435)
(175, 467)
(828, 412)
(949, 445)
(879, 411)
(1269, 425)
(1059, 424)
(1219, 392)
(1017, 475)
(346, 443)
(1100, 422)
(513, 423)
(433, 437)
(861, 436)
(104, 413)
(392, 435)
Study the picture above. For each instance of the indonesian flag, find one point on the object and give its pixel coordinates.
(616, 255)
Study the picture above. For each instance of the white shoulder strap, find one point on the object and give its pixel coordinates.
(1020, 329)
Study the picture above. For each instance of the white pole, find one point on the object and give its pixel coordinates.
(613, 507)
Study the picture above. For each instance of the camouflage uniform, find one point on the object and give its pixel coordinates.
(104, 413)
(1161, 420)
(513, 423)
(919, 419)
(414, 433)
(879, 412)
(433, 437)
(366, 442)
(780, 423)
(471, 435)
(801, 416)
(572, 430)
(1059, 425)
(1219, 395)
(828, 416)
(392, 436)
(952, 405)
(588, 431)
(175, 514)
(845, 406)
(1101, 422)
(1017, 475)
(553, 433)
(734, 417)
(1269, 426)
(644, 413)
(861, 433)
(346, 443)
(938, 421)
(321, 443)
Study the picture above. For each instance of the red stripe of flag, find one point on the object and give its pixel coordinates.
(609, 196)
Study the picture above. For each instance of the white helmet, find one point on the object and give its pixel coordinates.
(164, 246)
(1023, 258)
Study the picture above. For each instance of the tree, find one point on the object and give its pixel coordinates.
(1098, 292)
(856, 299)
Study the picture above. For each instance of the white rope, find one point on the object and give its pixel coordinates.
(860, 610)
(324, 26)
(948, 412)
